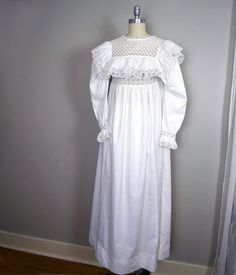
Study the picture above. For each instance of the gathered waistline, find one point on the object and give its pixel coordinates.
(135, 80)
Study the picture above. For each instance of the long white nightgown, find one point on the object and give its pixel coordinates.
(139, 114)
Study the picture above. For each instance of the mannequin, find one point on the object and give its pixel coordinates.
(137, 27)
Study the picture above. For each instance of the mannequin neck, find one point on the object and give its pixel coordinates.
(137, 30)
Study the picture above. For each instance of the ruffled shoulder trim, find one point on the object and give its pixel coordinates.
(174, 50)
(138, 66)
(101, 54)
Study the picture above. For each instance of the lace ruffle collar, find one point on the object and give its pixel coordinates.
(139, 66)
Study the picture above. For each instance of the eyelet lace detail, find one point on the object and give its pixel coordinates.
(139, 74)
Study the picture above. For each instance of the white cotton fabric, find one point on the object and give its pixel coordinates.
(130, 222)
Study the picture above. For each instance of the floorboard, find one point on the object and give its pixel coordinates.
(22, 263)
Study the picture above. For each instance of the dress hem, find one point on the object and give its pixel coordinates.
(142, 260)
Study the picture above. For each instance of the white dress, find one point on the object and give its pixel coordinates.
(139, 113)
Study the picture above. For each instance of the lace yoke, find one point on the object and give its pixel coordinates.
(125, 46)
(147, 46)
(137, 60)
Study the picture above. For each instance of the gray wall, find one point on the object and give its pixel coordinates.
(48, 147)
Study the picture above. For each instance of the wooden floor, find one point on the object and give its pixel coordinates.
(19, 263)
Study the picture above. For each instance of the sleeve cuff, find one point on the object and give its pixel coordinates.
(104, 134)
(167, 140)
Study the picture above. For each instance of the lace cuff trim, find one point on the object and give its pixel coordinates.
(167, 139)
(104, 133)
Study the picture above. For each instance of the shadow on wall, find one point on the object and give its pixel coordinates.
(77, 69)
(84, 138)
(77, 76)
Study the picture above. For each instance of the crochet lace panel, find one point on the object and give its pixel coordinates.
(134, 80)
(148, 46)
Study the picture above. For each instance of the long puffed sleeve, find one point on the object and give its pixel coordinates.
(98, 86)
(174, 98)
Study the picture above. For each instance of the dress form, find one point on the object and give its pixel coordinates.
(137, 29)
(137, 26)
